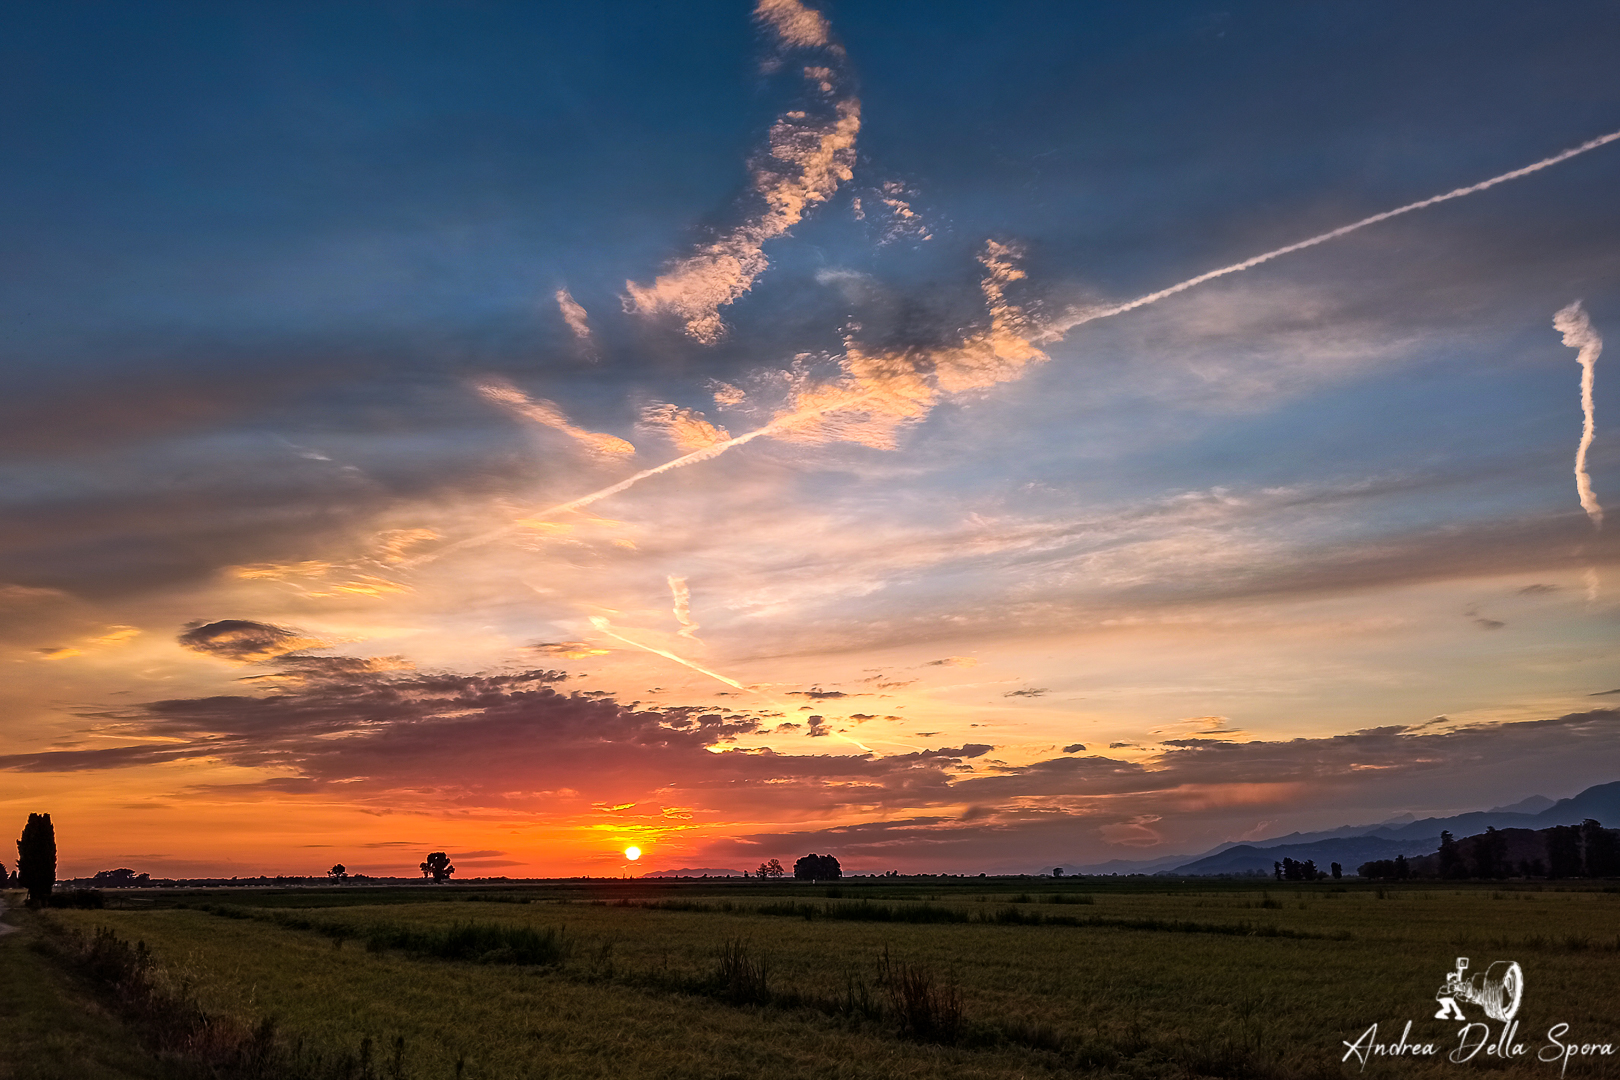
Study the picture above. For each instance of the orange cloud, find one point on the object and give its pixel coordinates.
(880, 393)
(546, 412)
(793, 23)
(808, 155)
(687, 428)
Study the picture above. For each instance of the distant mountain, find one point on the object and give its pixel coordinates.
(1535, 804)
(703, 871)
(1133, 866)
(1402, 835)
(1601, 803)
(1348, 852)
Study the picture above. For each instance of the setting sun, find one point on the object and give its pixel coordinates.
(632, 853)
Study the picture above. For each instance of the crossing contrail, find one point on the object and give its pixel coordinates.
(714, 450)
(1053, 331)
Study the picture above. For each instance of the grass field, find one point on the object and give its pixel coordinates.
(954, 978)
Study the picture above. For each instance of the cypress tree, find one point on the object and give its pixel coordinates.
(36, 858)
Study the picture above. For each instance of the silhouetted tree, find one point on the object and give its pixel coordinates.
(1338, 871)
(1564, 851)
(437, 867)
(1490, 854)
(1402, 870)
(1277, 869)
(817, 868)
(338, 874)
(122, 878)
(1451, 860)
(1602, 850)
(36, 858)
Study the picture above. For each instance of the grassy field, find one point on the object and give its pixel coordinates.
(954, 978)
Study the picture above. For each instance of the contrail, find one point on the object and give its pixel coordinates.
(712, 451)
(1578, 334)
(1053, 332)
(1077, 317)
(606, 627)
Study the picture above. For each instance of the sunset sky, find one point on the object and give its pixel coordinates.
(339, 345)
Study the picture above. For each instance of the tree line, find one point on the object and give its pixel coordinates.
(1564, 851)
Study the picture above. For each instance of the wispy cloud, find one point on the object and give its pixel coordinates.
(574, 315)
(1573, 323)
(810, 152)
(549, 414)
(682, 600)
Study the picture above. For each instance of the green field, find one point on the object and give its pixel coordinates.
(951, 978)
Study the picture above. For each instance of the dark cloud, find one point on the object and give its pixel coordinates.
(1037, 691)
(243, 640)
(817, 694)
(1605, 693)
(1532, 590)
(1074, 748)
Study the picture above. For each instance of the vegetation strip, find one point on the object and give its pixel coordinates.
(1008, 915)
(191, 1042)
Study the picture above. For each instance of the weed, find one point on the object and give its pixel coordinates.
(738, 977)
(928, 1011)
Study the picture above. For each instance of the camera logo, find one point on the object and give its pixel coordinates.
(1497, 992)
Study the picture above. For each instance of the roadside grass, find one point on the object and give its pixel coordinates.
(50, 1026)
(698, 980)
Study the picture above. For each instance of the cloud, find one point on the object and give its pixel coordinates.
(810, 152)
(27, 594)
(904, 223)
(574, 315)
(245, 641)
(817, 694)
(953, 661)
(793, 23)
(1481, 621)
(1030, 692)
(688, 429)
(568, 650)
(1074, 748)
(1535, 590)
(1576, 327)
(878, 393)
(682, 598)
(547, 413)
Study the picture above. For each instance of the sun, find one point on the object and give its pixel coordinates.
(632, 853)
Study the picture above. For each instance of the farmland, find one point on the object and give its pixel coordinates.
(872, 978)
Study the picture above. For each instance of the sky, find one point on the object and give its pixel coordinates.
(916, 432)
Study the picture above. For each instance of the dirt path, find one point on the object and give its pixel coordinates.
(5, 927)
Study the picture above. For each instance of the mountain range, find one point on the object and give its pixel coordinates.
(1352, 845)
